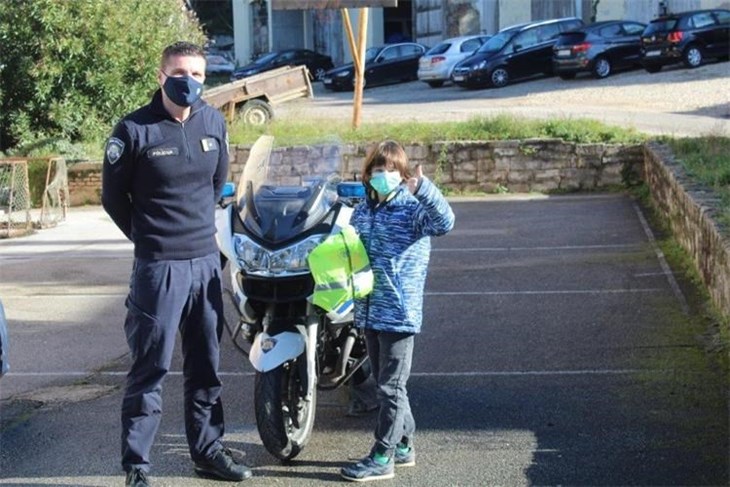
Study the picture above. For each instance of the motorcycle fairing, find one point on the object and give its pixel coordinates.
(270, 351)
(223, 227)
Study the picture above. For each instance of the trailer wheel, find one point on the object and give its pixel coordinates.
(256, 112)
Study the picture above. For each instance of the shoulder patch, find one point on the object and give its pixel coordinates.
(114, 149)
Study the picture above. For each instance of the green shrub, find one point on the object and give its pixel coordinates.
(70, 69)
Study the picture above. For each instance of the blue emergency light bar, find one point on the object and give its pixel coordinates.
(351, 189)
(229, 189)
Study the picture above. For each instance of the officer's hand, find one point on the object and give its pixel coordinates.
(415, 180)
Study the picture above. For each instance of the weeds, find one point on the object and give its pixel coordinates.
(707, 160)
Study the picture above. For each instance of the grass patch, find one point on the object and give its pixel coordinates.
(707, 160)
(500, 127)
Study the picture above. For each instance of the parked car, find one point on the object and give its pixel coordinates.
(436, 65)
(316, 63)
(217, 64)
(687, 37)
(516, 52)
(3, 342)
(391, 63)
(599, 49)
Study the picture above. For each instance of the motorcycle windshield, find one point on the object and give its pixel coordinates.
(282, 194)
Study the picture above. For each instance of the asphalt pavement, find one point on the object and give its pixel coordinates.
(556, 350)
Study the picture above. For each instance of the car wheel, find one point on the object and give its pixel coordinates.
(500, 77)
(653, 68)
(567, 75)
(319, 73)
(435, 84)
(256, 112)
(601, 68)
(692, 56)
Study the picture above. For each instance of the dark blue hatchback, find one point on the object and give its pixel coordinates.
(599, 49)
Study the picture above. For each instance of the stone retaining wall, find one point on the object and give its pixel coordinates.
(538, 165)
(84, 183)
(690, 210)
(519, 166)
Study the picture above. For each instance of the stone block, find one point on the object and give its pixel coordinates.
(545, 186)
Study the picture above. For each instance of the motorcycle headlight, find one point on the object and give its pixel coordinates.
(251, 256)
(293, 259)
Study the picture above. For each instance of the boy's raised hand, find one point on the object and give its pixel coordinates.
(415, 180)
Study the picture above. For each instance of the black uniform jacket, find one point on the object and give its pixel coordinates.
(162, 179)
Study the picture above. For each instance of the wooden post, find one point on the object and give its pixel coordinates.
(351, 40)
(360, 73)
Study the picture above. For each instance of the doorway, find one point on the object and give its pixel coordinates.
(398, 22)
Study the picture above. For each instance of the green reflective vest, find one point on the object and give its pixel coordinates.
(341, 271)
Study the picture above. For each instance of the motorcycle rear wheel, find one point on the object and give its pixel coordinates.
(284, 418)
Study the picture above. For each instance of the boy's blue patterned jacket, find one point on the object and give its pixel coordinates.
(396, 235)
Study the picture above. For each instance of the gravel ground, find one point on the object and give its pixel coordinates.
(675, 101)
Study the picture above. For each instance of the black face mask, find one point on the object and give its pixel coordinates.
(183, 91)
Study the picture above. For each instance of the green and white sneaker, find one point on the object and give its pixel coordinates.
(369, 469)
(405, 456)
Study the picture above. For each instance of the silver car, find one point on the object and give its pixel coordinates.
(436, 65)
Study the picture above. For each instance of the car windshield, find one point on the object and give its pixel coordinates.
(497, 42)
(266, 58)
(570, 38)
(279, 198)
(663, 25)
(440, 49)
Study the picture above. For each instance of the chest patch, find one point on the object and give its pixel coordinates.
(163, 152)
(209, 144)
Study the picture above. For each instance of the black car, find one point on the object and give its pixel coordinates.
(317, 63)
(598, 49)
(391, 63)
(687, 37)
(515, 52)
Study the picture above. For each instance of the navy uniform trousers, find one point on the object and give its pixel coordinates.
(164, 296)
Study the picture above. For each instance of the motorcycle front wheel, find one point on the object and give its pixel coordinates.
(284, 417)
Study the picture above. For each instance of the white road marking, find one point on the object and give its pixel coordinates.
(663, 262)
(565, 291)
(485, 373)
(521, 249)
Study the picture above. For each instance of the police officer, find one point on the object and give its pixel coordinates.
(164, 168)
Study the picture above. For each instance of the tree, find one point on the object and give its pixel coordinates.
(70, 69)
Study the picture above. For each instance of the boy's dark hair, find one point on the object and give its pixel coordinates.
(390, 154)
(181, 48)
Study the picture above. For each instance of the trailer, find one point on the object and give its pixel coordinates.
(254, 97)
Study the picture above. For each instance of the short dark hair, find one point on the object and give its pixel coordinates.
(389, 154)
(181, 48)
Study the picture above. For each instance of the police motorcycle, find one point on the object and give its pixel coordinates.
(276, 217)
